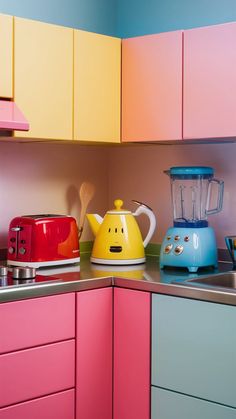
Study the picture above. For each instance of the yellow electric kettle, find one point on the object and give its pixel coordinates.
(118, 240)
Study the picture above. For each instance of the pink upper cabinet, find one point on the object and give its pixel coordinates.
(152, 87)
(210, 82)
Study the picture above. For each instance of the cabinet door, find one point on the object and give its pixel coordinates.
(170, 405)
(97, 87)
(194, 348)
(6, 53)
(94, 354)
(152, 87)
(36, 372)
(131, 354)
(43, 80)
(36, 321)
(55, 406)
(209, 82)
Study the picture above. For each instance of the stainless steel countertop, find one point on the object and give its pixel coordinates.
(146, 277)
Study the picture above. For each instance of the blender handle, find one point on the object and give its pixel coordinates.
(144, 209)
(218, 208)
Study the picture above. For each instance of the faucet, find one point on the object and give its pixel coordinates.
(231, 246)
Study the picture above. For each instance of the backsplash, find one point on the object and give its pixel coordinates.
(46, 177)
(136, 172)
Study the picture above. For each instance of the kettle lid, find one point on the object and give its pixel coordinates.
(118, 203)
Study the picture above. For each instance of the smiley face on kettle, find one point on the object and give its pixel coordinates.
(118, 240)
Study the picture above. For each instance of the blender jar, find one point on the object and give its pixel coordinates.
(193, 191)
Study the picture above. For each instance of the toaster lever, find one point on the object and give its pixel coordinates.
(16, 228)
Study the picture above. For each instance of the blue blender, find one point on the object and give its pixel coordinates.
(191, 242)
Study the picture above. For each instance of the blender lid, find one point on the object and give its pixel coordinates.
(191, 170)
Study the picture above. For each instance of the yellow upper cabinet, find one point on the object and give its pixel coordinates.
(97, 74)
(6, 54)
(43, 78)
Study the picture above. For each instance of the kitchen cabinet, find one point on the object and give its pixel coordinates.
(169, 405)
(55, 406)
(37, 321)
(43, 78)
(97, 73)
(131, 354)
(37, 361)
(94, 329)
(193, 349)
(6, 53)
(209, 82)
(152, 87)
(36, 372)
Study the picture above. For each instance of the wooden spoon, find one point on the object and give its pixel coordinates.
(86, 193)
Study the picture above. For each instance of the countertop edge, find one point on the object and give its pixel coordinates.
(182, 291)
(44, 290)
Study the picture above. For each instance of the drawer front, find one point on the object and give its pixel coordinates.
(37, 321)
(194, 348)
(36, 372)
(56, 406)
(170, 405)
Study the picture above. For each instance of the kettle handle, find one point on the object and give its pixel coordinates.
(144, 209)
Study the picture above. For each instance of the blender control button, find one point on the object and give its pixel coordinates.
(178, 250)
(22, 250)
(168, 237)
(12, 239)
(168, 248)
(177, 238)
(11, 250)
(187, 238)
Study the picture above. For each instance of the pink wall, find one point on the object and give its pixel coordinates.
(136, 172)
(45, 178)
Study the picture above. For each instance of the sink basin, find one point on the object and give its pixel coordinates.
(222, 280)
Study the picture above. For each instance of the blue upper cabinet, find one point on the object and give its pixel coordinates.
(194, 348)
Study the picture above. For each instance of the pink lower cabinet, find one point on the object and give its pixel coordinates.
(37, 321)
(55, 406)
(94, 354)
(36, 372)
(131, 354)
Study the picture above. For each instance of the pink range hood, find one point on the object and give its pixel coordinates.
(11, 117)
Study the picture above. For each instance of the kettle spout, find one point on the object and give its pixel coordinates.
(95, 221)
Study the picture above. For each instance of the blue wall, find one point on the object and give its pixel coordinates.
(140, 17)
(92, 15)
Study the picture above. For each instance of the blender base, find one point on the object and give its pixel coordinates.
(190, 248)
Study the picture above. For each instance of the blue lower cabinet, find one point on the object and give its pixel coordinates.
(194, 348)
(169, 405)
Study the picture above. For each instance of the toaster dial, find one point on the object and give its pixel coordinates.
(11, 250)
(22, 250)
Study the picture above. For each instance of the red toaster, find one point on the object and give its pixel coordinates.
(43, 240)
